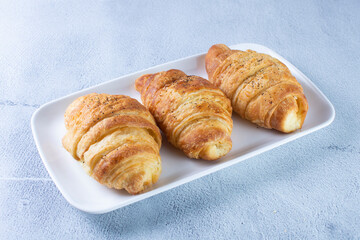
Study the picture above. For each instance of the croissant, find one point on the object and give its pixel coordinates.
(116, 139)
(260, 87)
(194, 114)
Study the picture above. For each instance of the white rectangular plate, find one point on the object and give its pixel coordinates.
(86, 194)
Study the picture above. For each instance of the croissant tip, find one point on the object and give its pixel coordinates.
(220, 47)
(140, 81)
(215, 151)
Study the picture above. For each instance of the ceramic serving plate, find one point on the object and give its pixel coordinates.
(84, 193)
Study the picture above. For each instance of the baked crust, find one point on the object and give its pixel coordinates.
(116, 139)
(194, 114)
(260, 87)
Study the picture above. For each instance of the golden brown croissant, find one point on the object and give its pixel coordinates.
(194, 114)
(260, 87)
(116, 139)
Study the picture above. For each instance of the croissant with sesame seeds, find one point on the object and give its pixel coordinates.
(260, 87)
(194, 114)
(116, 139)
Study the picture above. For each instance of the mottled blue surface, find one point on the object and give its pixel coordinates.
(307, 189)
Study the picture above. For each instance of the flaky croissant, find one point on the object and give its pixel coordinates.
(260, 87)
(116, 139)
(194, 114)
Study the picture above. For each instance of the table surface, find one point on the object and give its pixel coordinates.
(306, 189)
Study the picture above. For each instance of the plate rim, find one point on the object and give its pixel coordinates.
(186, 179)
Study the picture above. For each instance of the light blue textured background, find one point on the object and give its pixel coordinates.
(307, 189)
